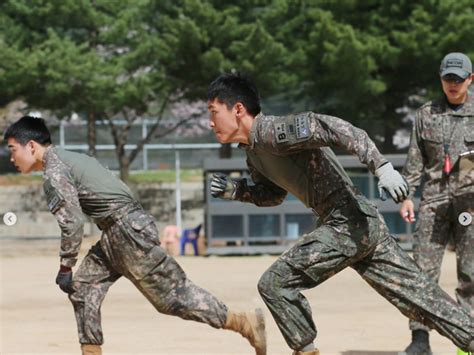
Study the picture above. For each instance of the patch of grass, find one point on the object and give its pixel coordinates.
(166, 176)
(20, 179)
(187, 175)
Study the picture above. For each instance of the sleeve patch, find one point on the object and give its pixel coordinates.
(53, 197)
(291, 129)
(302, 127)
(281, 133)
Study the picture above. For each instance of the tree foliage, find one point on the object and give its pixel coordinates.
(357, 59)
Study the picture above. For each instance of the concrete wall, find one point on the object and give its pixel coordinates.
(35, 221)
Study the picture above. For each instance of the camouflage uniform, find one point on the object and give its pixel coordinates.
(290, 154)
(76, 184)
(444, 196)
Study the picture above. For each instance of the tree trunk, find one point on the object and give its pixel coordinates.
(225, 151)
(91, 136)
(390, 127)
(124, 169)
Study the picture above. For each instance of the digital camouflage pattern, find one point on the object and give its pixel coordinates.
(436, 124)
(443, 197)
(76, 184)
(291, 154)
(129, 246)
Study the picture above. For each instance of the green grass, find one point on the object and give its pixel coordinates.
(166, 176)
(19, 179)
(188, 175)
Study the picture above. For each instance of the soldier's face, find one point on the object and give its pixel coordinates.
(223, 121)
(455, 91)
(22, 156)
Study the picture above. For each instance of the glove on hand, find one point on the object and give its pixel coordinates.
(222, 186)
(392, 182)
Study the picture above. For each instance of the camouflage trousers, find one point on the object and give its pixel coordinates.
(437, 223)
(363, 243)
(130, 247)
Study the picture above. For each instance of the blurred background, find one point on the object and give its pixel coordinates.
(125, 81)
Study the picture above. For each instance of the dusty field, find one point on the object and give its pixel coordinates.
(37, 318)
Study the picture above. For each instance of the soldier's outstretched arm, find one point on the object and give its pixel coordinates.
(309, 130)
(289, 134)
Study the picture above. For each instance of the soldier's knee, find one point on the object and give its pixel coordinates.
(267, 284)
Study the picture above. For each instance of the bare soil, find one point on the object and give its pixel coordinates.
(37, 318)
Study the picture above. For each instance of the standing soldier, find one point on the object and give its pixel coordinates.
(75, 184)
(441, 149)
(291, 153)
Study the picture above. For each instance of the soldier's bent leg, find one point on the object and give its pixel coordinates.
(393, 274)
(91, 282)
(281, 284)
(170, 291)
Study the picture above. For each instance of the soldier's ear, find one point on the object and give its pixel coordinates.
(240, 109)
(31, 146)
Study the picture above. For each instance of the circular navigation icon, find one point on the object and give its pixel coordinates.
(465, 218)
(9, 218)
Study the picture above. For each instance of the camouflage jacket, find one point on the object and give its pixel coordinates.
(291, 153)
(436, 124)
(76, 184)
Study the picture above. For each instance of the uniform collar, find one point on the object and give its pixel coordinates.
(253, 137)
(466, 109)
(47, 154)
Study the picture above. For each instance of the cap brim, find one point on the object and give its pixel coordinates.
(456, 71)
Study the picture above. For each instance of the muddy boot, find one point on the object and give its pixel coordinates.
(312, 352)
(252, 326)
(91, 349)
(420, 343)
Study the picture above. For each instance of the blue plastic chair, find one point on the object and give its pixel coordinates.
(190, 236)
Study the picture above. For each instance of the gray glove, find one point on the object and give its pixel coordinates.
(64, 279)
(222, 186)
(392, 182)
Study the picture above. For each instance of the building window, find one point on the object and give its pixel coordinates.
(227, 226)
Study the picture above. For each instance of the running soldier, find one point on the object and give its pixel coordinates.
(292, 154)
(442, 145)
(76, 184)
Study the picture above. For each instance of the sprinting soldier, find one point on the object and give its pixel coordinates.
(76, 184)
(442, 141)
(292, 154)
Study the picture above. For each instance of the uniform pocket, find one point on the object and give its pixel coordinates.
(433, 130)
(139, 220)
(142, 229)
(366, 207)
(469, 136)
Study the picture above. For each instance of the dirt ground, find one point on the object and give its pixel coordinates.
(37, 318)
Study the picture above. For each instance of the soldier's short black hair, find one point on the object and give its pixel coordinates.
(28, 129)
(232, 88)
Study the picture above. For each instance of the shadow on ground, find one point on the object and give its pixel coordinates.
(365, 352)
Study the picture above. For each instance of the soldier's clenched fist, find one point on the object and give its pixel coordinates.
(222, 186)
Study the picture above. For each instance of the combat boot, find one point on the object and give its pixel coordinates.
(311, 352)
(91, 349)
(250, 325)
(420, 343)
